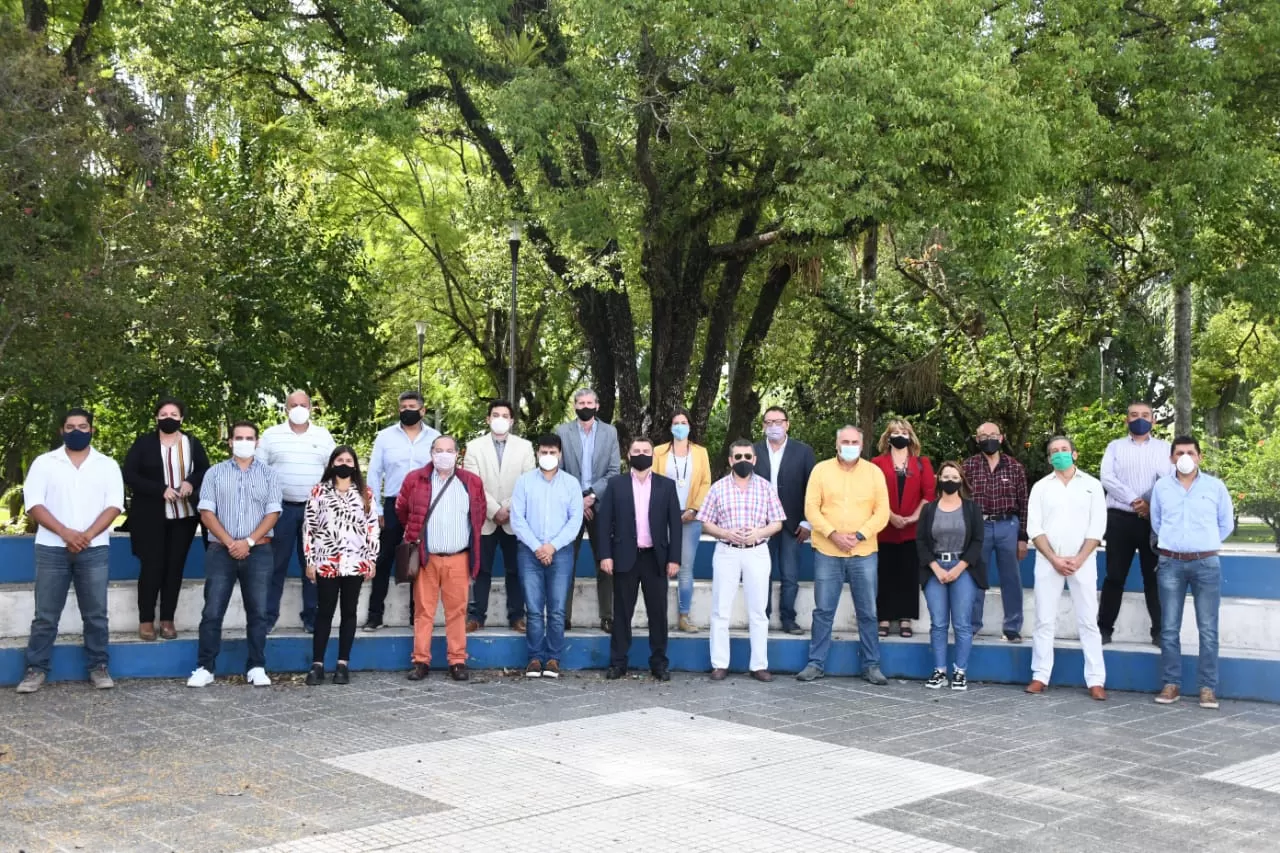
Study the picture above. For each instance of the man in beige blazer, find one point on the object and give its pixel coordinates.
(498, 458)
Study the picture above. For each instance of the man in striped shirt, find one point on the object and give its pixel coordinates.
(1130, 468)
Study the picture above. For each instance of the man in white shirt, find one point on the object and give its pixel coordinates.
(73, 494)
(298, 451)
(1066, 519)
(499, 458)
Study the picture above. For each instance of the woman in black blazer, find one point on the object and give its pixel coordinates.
(949, 545)
(163, 470)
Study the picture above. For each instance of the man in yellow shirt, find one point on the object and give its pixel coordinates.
(847, 503)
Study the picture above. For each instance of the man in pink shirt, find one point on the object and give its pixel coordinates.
(638, 540)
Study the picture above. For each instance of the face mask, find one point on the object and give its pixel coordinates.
(680, 431)
(1062, 460)
(77, 440)
(850, 452)
(640, 463)
(244, 448)
(585, 414)
(1140, 426)
(500, 426)
(989, 446)
(548, 462)
(444, 460)
(743, 468)
(775, 433)
(901, 442)
(299, 415)
(344, 472)
(410, 417)
(949, 487)
(1186, 465)
(169, 426)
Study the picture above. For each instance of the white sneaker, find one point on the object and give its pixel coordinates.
(200, 678)
(258, 677)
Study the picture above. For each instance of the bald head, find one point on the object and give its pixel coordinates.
(297, 398)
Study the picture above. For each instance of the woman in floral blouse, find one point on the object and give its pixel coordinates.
(340, 543)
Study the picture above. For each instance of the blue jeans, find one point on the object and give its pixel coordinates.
(1205, 579)
(56, 569)
(221, 573)
(830, 574)
(951, 603)
(784, 552)
(1000, 548)
(287, 540)
(545, 591)
(692, 534)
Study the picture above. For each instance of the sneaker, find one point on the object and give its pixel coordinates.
(1169, 695)
(1012, 637)
(258, 677)
(342, 674)
(686, 625)
(873, 675)
(811, 672)
(32, 681)
(100, 678)
(533, 670)
(1106, 637)
(373, 624)
(200, 678)
(937, 680)
(551, 669)
(315, 676)
(1208, 699)
(959, 681)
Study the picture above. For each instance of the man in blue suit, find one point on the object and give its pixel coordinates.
(786, 463)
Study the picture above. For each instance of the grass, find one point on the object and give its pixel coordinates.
(1255, 533)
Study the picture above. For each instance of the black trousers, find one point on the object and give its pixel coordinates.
(160, 573)
(898, 588)
(391, 536)
(1128, 532)
(604, 582)
(645, 575)
(329, 591)
(483, 584)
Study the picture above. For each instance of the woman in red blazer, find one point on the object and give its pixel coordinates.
(911, 485)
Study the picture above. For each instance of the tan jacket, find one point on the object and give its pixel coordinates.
(499, 481)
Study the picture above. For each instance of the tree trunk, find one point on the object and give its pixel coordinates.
(1182, 357)
(675, 275)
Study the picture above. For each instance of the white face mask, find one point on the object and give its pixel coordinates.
(850, 452)
(299, 415)
(548, 462)
(243, 448)
(500, 426)
(1186, 465)
(444, 460)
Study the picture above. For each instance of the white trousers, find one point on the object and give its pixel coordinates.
(750, 567)
(1083, 586)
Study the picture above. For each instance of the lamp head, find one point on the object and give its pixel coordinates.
(421, 326)
(513, 231)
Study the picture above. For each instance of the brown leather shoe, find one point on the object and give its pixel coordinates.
(762, 675)
(1036, 687)
(519, 626)
(458, 672)
(472, 626)
(1208, 699)
(1098, 692)
(167, 631)
(147, 631)
(1169, 695)
(719, 674)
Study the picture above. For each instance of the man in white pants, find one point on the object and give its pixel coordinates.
(742, 510)
(1066, 520)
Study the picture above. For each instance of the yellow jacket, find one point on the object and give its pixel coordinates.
(699, 471)
(846, 501)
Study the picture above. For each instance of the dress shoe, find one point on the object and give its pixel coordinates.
(373, 624)
(794, 630)
(1106, 637)
(661, 673)
(1098, 692)
(1036, 687)
(458, 672)
(473, 626)
(419, 672)
(613, 673)
(147, 631)
(762, 675)
(519, 626)
(167, 631)
(606, 624)
(719, 674)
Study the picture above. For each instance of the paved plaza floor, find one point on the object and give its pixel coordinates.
(508, 764)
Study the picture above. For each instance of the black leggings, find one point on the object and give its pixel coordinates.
(161, 568)
(329, 590)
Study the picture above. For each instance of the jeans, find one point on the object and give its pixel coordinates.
(784, 552)
(1000, 547)
(830, 574)
(1205, 579)
(286, 539)
(490, 543)
(691, 536)
(221, 573)
(951, 603)
(545, 591)
(56, 570)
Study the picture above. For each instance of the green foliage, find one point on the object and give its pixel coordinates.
(1252, 472)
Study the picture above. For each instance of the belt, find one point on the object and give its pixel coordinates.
(947, 556)
(742, 547)
(999, 516)
(644, 550)
(1186, 556)
(294, 503)
(450, 554)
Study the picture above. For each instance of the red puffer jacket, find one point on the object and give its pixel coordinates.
(415, 499)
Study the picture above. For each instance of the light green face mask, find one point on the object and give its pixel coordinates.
(1062, 460)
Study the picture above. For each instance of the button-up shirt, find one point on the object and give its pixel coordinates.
(1194, 519)
(394, 456)
(1131, 468)
(449, 527)
(775, 461)
(298, 459)
(846, 500)
(1067, 514)
(588, 450)
(999, 492)
(240, 497)
(732, 507)
(74, 496)
(546, 511)
(641, 489)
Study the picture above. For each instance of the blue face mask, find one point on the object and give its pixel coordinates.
(850, 452)
(679, 431)
(77, 440)
(1062, 460)
(1140, 426)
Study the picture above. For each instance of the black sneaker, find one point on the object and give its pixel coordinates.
(342, 675)
(374, 623)
(1106, 637)
(958, 680)
(937, 680)
(1011, 637)
(316, 675)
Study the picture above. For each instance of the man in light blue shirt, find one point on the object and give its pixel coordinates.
(546, 515)
(1191, 514)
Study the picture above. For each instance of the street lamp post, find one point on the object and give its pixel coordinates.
(421, 326)
(1103, 346)
(513, 239)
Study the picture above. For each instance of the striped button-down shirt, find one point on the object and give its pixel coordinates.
(546, 511)
(1131, 468)
(734, 508)
(394, 457)
(1002, 491)
(240, 497)
(449, 528)
(297, 458)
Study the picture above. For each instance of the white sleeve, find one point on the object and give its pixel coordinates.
(37, 482)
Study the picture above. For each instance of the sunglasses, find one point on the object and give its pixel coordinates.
(741, 457)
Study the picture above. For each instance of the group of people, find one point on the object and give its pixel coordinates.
(888, 527)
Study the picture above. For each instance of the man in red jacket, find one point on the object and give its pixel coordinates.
(443, 510)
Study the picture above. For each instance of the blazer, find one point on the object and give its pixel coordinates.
(920, 488)
(606, 461)
(972, 553)
(143, 473)
(793, 480)
(699, 470)
(415, 499)
(499, 481)
(616, 523)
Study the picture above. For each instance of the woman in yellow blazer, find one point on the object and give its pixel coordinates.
(687, 464)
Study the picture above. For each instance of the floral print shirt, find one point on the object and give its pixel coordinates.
(339, 537)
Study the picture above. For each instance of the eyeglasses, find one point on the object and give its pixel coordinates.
(983, 436)
(775, 422)
(742, 457)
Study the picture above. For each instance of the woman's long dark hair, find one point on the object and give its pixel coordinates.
(357, 478)
(965, 494)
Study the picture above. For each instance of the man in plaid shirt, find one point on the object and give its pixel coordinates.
(742, 510)
(999, 485)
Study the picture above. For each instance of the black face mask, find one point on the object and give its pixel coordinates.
(344, 471)
(585, 414)
(640, 463)
(743, 468)
(949, 487)
(410, 417)
(989, 446)
(901, 442)
(169, 426)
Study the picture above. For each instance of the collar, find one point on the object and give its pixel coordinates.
(647, 481)
(769, 447)
(62, 456)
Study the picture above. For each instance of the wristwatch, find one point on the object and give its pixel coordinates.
(249, 539)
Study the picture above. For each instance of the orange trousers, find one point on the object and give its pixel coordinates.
(448, 578)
